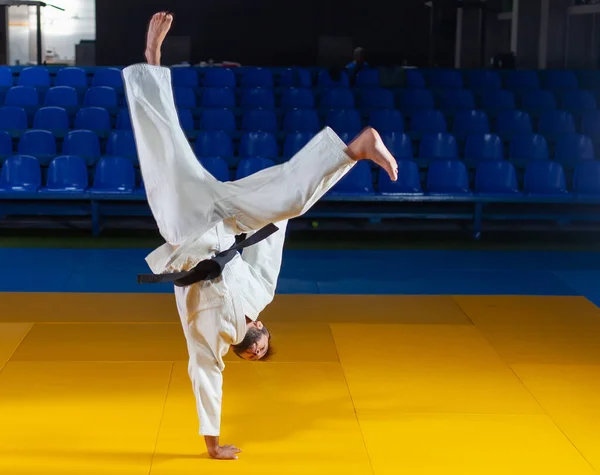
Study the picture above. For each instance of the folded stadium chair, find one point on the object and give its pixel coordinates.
(325, 80)
(586, 180)
(513, 122)
(408, 183)
(297, 98)
(521, 81)
(6, 78)
(496, 178)
(437, 146)
(446, 79)
(482, 148)
(84, 144)
(72, 77)
(23, 96)
(214, 143)
(294, 142)
(6, 145)
(525, 148)
(412, 101)
(259, 120)
(337, 98)
(453, 100)
(219, 97)
(184, 77)
(257, 77)
(93, 118)
(344, 121)
(545, 178)
(185, 97)
(63, 96)
(555, 123)
(347, 137)
(425, 122)
(258, 144)
(295, 77)
(67, 174)
(301, 120)
(109, 77)
(538, 102)
(249, 166)
(114, 176)
(573, 149)
(358, 181)
(35, 76)
(447, 177)
(40, 144)
(368, 78)
(218, 119)
(219, 77)
(484, 80)
(102, 96)
(578, 103)
(387, 120)
(217, 167)
(53, 119)
(20, 173)
(186, 120)
(121, 143)
(560, 81)
(13, 120)
(495, 102)
(590, 126)
(470, 122)
(414, 79)
(123, 120)
(588, 78)
(372, 99)
(399, 145)
(258, 97)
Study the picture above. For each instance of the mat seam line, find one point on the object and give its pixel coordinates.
(162, 415)
(16, 348)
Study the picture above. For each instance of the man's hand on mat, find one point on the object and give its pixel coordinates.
(221, 452)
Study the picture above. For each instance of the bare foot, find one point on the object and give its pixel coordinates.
(369, 146)
(157, 31)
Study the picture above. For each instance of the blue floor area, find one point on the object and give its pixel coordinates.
(326, 272)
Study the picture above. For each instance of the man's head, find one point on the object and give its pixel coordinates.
(359, 55)
(256, 345)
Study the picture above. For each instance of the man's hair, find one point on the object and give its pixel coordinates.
(251, 337)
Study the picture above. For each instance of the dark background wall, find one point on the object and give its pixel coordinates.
(276, 32)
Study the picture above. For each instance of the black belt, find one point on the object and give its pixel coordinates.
(208, 269)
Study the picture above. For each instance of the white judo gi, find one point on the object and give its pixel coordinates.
(199, 216)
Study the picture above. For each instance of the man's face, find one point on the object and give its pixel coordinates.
(255, 343)
(257, 350)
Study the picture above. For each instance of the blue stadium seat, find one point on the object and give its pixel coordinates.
(258, 97)
(484, 80)
(513, 122)
(62, 96)
(13, 120)
(114, 176)
(496, 178)
(560, 80)
(337, 98)
(523, 80)
(525, 148)
(73, 77)
(184, 77)
(301, 120)
(22, 96)
(66, 174)
(586, 180)
(588, 78)
(297, 98)
(36, 76)
(257, 77)
(557, 122)
(325, 80)
(220, 97)
(438, 146)
(93, 118)
(6, 77)
(214, 143)
(121, 143)
(399, 145)
(295, 141)
(217, 167)
(483, 147)
(414, 100)
(448, 177)
(590, 126)
(408, 183)
(53, 119)
(250, 166)
(446, 79)
(495, 102)
(185, 97)
(470, 122)
(572, 149)
(538, 102)
(259, 120)
(218, 119)
(376, 98)
(387, 120)
(186, 120)
(430, 121)
(452, 100)
(368, 78)
(578, 102)
(544, 177)
(414, 79)
(219, 77)
(295, 77)
(6, 145)
(109, 77)
(358, 181)
(123, 120)
(258, 144)
(344, 121)
(20, 173)
(101, 96)
(84, 144)
(40, 144)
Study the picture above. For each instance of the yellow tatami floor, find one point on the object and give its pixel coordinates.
(97, 384)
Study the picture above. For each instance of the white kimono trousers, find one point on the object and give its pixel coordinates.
(199, 216)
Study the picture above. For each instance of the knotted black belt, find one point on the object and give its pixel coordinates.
(208, 269)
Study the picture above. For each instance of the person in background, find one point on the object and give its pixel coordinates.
(359, 61)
